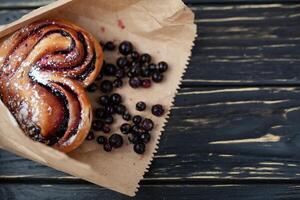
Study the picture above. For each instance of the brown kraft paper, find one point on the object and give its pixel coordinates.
(164, 29)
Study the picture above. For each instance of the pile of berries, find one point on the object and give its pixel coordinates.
(141, 73)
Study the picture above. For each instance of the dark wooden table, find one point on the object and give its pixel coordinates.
(234, 132)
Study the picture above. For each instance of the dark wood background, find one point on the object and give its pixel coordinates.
(234, 132)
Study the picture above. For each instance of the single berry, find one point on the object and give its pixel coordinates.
(120, 109)
(140, 106)
(134, 138)
(145, 71)
(106, 86)
(116, 140)
(115, 99)
(135, 82)
(103, 100)
(135, 63)
(107, 147)
(146, 83)
(99, 113)
(109, 109)
(109, 69)
(117, 83)
(147, 124)
(101, 140)
(134, 55)
(126, 116)
(106, 129)
(109, 46)
(122, 62)
(136, 129)
(139, 148)
(97, 125)
(90, 136)
(146, 58)
(125, 128)
(125, 48)
(145, 137)
(120, 73)
(158, 110)
(137, 119)
(108, 120)
(152, 67)
(136, 71)
(157, 77)
(92, 87)
(162, 67)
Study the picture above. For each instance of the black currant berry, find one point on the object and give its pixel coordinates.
(90, 136)
(157, 77)
(135, 82)
(139, 148)
(117, 83)
(145, 137)
(125, 128)
(137, 119)
(158, 110)
(103, 100)
(122, 62)
(115, 99)
(146, 58)
(101, 140)
(162, 67)
(107, 147)
(92, 88)
(109, 46)
(99, 113)
(106, 86)
(140, 106)
(125, 48)
(126, 116)
(116, 140)
(147, 124)
(134, 138)
(97, 125)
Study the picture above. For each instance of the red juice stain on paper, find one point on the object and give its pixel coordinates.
(121, 24)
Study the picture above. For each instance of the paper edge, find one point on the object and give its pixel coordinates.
(166, 119)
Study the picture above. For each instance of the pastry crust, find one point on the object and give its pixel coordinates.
(44, 68)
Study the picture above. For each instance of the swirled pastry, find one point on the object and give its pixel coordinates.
(44, 68)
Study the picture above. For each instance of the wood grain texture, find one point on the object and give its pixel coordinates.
(221, 133)
(239, 44)
(15, 4)
(150, 192)
(36, 3)
(230, 135)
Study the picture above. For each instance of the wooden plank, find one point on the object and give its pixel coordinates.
(221, 133)
(247, 44)
(238, 1)
(7, 16)
(23, 3)
(38, 3)
(240, 44)
(149, 192)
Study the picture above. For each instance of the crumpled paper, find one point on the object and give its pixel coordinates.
(164, 29)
